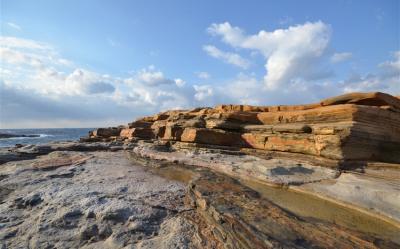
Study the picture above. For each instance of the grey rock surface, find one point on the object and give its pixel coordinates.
(104, 202)
(276, 171)
(30, 151)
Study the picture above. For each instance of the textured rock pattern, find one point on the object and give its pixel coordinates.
(91, 205)
(352, 127)
(242, 219)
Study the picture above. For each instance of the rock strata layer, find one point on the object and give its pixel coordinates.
(343, 150)
(356, 127)
(322, 175)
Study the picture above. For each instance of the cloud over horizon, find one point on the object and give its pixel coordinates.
(39, 87)
(291, 54)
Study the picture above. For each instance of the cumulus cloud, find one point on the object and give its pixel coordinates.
(35, 76)
(386, 79)
(203, 92)
(227, 57)
(179, 82)
(339, 57)
(41, 88)
(152, 77)
(81, 82)
(392, 68)
(290, 54)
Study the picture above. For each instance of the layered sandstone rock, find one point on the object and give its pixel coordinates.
(351, 127)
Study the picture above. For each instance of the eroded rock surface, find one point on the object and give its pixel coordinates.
(322, 175)
(103, 201)
(355, 127)
(242, 219)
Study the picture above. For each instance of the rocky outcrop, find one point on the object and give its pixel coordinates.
(356, 127)
(323, 175)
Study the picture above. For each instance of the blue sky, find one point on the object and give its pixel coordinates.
(98, 63)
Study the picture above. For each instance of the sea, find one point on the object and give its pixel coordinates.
(45, 135)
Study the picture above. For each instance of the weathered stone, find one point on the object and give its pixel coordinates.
(172, 133)
(350, 127)
(127, 132)
(140, 123)
(107, 132)
(242, 219)
(139, 132)
(211, 136)
(371, 99)
(328, 114)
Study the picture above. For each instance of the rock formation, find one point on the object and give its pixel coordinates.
(355, 127)
(322, 175)
(344, 150)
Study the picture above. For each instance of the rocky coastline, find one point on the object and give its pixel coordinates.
(322, 175)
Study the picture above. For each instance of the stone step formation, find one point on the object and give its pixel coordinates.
(347, 130)
(343, 151)
(322, 175)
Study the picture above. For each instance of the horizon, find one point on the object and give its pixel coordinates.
(77, 64)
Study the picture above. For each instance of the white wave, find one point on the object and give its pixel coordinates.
(45, 135)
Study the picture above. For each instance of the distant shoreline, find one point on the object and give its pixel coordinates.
(9, 135)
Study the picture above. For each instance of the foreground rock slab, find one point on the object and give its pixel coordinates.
(101, 202)
(242, 219)
(376, 192)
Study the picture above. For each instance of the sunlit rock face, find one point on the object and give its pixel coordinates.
(352, 127)
(322, 175)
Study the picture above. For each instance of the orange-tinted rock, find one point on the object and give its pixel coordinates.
(140, 123)
(350, 127)
(371, 99)
(242, 117)
(328, 114)
(211, 136)
(241, 218)
(127, 132)
(107, 132)
(172, 133)
(139, 132)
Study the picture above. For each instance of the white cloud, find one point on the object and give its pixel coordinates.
(152, 77)
(203, 92)
(81, 82)
(35, 69)
(17, 57)
(291, 53)
(153, 91)
(228, 57)
(387, 79)
(179, 82)
(203, 75)
(14, 26)
(14, 42)
(40, 87)
(339, 57)
(392, 68)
